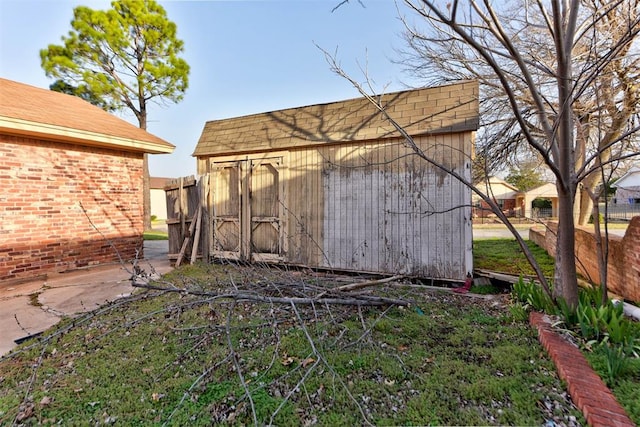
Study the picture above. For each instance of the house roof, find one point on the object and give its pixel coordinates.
(494, 180)
(629, 180)
(435, 110)
(496, 187)
(546, 190)
(34, 112)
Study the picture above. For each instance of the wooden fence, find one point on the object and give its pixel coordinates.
(185, 219)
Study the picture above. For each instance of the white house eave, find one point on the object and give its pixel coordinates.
(20, 127)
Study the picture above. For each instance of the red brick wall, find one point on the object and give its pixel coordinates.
(624, 257)
(44, 187)
(484, 211)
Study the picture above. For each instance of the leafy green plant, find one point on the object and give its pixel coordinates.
(589, 321)
(602, 326)
(569, 315)
(598, 321)
(616, 361)
(532, 294)
(518, 312)
(618, 328)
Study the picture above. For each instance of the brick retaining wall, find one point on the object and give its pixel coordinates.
(624, 256)
(45, 187)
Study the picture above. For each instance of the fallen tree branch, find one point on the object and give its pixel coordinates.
(359, 285)
(234, 358)
(237, 296)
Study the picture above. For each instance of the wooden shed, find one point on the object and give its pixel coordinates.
(71, 179)
(335, 185)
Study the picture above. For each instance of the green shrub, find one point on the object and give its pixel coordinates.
(599, 216)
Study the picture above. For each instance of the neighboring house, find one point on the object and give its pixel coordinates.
(546, 191)
(158, 197)
(513, 202)
(70, 180)
(628, 187)
(503, 193)
(336, 186)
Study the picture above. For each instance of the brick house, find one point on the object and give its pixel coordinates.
(503, 193)
(71, 183)
(513, 202)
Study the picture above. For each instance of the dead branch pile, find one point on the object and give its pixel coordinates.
(270, 331)
(266, 303)
(294, 291)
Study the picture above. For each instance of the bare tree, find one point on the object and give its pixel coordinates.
(547, 90)
(604, 57)
(537, 96)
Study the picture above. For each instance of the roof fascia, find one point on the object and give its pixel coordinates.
(27, 128)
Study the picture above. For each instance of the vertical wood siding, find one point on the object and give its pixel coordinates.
(386, 209)
(375, 207)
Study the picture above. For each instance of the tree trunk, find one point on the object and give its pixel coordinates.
(566, 279)
(146, 190)
(601, 252)
(584, 202)
(146, 187)
(584, 206)
(565, 276)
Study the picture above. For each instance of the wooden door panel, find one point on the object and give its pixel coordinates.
(226, 211)
(265, 205)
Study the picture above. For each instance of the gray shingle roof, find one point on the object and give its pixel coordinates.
(435, 110)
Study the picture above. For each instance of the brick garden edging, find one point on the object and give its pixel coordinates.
(587, 390)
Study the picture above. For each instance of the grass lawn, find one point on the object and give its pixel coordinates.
(506, 256)
(202, 358)
(215, 355)
(155, 235)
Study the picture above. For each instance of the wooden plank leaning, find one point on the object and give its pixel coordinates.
(196, 237)
(187, 238)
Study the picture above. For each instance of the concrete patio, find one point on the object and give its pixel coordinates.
(31, 307)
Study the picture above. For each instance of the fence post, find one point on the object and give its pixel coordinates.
(205, 236)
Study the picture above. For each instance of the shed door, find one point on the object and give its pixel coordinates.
(247, 212)
(226, 209)
(266, 226)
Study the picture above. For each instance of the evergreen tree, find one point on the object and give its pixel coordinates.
(123, 58)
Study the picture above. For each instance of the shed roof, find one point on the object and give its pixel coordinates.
(34, 112)
(435, 110)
